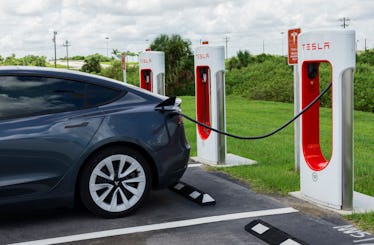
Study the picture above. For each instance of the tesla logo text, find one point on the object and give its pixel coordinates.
(145, 60)
(316, 46)
(202, 56)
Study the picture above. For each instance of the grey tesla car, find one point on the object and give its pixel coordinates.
(67, 136)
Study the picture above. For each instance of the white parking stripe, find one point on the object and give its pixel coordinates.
(161, 226)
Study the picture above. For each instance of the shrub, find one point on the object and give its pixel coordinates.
(115, 71)
(269, 77)
(29, 60)
(92, 64)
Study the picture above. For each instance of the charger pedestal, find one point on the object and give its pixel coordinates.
(325, 181)
(361, 203)
(211, 107)
(152, 71)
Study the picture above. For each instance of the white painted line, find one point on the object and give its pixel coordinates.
(290, 242)
(364, 240)
(194, 165)
(161, 226)
(260, 228)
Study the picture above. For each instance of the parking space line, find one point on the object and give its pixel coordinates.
(161, 226)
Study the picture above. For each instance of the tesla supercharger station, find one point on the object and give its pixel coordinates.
(327, 181)
(210, 102)
(152, 71)
(211, 107)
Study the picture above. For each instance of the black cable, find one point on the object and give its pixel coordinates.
(265, 135)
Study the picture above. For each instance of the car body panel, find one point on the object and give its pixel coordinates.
(41, 156)
(36, 152)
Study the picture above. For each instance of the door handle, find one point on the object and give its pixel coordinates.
(83, 124)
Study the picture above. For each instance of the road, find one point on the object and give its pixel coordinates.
(75, 64)
(170, 218)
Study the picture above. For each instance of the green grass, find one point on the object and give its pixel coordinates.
(274, 172)
(364, 221)
(51, 65)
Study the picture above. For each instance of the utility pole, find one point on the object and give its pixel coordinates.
(66, 45)
(365, 45)
(263, 46)
(54, 42)
(345, 21)
(282, 42)
(107, 49)
(226, 40)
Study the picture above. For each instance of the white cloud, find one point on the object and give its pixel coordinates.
(26, 26)
(26, 8)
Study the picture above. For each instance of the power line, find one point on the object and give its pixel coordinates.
(345, 21)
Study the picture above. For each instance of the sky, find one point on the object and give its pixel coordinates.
(99, 26)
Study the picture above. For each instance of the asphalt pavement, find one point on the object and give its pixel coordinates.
(170, 218)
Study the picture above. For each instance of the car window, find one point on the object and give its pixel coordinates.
(98, 95)
(25, 95)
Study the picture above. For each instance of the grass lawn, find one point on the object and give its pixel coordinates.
(51, 65)
(274, 172)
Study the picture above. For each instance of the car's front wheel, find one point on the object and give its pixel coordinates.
(115, 182)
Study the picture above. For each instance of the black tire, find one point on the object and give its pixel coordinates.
(115, 182)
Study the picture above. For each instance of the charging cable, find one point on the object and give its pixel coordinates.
(265, 135)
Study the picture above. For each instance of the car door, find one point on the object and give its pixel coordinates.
(45, 125)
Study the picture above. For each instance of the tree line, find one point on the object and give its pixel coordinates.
(259, 77)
